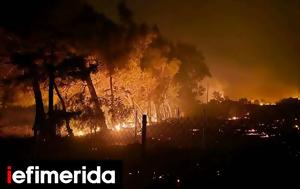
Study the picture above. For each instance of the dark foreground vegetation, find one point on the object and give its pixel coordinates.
(185, 153)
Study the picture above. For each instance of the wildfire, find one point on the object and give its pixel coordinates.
(117, 128)
(80, 133)
(121, 126)
(83, 131)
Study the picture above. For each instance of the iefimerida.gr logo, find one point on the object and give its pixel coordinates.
(38, 175)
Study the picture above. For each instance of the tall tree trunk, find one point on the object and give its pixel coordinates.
(96, 101)
(51, 87)
(40, 118)
(52, 125)
(112, 97)
(158, 113)
(69, 130)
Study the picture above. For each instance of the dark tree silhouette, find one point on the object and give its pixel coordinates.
(77, 67)
(31, 75)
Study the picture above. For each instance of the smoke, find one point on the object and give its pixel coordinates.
(125, 14)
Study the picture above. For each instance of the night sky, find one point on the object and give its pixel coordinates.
(251, 47)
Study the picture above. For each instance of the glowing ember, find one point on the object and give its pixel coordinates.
(252, 131)
(264, 135)
(233, 118)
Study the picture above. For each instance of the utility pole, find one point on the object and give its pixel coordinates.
(144, 133)
(298, 87)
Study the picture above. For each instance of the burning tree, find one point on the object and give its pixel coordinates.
(163, 69)
(27, 62)
(34, 68)
(107, 71)
(81, 67)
